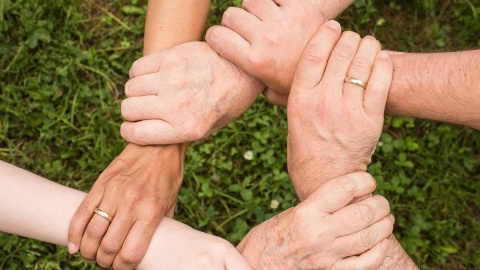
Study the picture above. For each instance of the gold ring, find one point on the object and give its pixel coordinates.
(103, 214)
(356, 82)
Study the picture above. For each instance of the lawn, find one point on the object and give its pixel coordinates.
(63, 65)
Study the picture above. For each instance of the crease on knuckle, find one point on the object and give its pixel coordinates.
(367, 239)
(129, 257)
(314, 54)
(348, 184)
(360, 65)
(343, 52)
(95, 231)
(367, 213)
(110, 246)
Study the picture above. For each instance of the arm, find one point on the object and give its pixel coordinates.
(222, 91)
(45, 208)
(436, 86)
(141, 185)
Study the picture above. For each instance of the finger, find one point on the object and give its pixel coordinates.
(372, 259)
(82, 217)
(340, 60)
(144, 108)
(378, 86)
(135, 245)
(358, 216)
(228, 44)
(315, 56)
(339, 192)
(114, 238)
(144, 85)
(147, 64)
(241, 22)
(275, 98)
(96, 229)
(234, 260)
(150, 132)
(358, 243)
(262, 9)
(361, 68)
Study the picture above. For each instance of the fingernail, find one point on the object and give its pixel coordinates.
(334, 24)
(72, 248)
(385, 244)
(383, 54)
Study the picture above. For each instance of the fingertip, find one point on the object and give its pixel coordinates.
(212, 34)
(334, 25)
(72, 248)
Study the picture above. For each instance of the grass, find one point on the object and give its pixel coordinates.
(62, 68)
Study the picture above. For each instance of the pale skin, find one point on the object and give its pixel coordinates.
(34, 207)
(45, 208)
(141, 185)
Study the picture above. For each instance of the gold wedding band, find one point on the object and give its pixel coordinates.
(103, 214)
(356, 82)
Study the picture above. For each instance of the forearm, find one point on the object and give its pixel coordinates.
(170, 23)
(332, 9)
(33, 207)
(436, 86)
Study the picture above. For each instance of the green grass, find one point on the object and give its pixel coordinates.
(62, 69)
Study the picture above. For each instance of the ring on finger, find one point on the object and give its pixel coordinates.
(356, 82)
(103, 214)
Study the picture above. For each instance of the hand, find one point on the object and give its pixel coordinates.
(138, 188)
(266, 39)
(177, 246)
(334, 126)
(184, 94)
(325, 231)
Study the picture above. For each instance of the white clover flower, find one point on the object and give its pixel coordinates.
(380, 143)
(248, 155)
(274, 204)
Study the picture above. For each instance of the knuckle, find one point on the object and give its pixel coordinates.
(95, 230)
(367, 239)
(382, 202)
(366, 179)
(314, 54)
(301, 214)
(367, 213)
(361, 64)
(130, 257)
(110, 246)
(348, 184)
(344, 51)
(257, 61)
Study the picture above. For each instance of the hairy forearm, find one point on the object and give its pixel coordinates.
(397, 257)
(436, 86)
